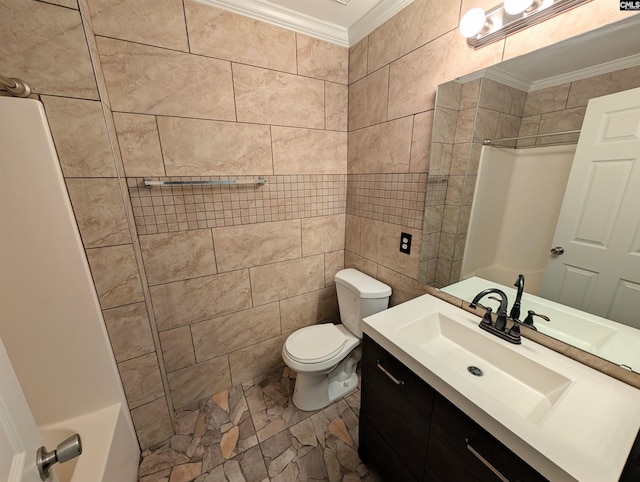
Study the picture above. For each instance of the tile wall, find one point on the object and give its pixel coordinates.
(151, 89)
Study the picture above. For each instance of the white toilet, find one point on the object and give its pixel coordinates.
(325, 356)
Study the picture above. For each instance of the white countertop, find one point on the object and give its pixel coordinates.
(587, 434)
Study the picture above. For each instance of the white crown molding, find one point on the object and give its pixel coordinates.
(292, 20)
(605, 68)
(512, 80)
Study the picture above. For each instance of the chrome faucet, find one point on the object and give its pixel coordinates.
(499, 328)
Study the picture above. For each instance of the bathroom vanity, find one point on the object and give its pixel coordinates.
(443, 400)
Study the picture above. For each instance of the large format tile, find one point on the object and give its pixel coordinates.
(550, 99)
(194, 147)
(178, 256)
(308, 151)
(358, 60)
(277, 281)
(151, 80)
(190, 384)
(80, 135)
(368, 100)
(152, 423)
(322, 60)
(99, 210)
(333, 262)
(308, 309)
(255, 360)
(45, 45)
(227, 333)
(139, 144)
(383, 147)
(129, 331)
(323, 234)
(268, 97)
(138, 21)
(230, 36)
(177, 348)
(257, 244)
(141, 380)
(337, 107)
(182, 302)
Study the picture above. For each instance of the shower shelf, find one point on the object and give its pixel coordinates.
(218, 182)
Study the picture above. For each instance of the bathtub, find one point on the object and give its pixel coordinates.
(106, 447)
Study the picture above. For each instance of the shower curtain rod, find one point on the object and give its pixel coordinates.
(16, 87)
(218, 182)
(488, 142)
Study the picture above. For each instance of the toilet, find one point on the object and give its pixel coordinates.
(325, 355)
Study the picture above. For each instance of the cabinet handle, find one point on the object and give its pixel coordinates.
(485, 462)
(393, 379)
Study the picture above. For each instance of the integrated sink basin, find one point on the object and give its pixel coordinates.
(568, 421)
(521, 384)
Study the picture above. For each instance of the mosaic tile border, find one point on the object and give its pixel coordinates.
(182, 208)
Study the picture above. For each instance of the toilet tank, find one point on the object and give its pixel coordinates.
(359, 296)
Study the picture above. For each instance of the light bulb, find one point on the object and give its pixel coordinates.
(516, 7)
(472, 22)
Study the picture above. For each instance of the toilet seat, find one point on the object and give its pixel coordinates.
(315, 344)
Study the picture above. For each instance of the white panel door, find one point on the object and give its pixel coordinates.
(599, 223)
(19, 435)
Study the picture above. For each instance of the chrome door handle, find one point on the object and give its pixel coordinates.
(66, 450)
(557, 251)
(393, 379)
(485, 462)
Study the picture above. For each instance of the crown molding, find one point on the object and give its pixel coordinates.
(292, 20)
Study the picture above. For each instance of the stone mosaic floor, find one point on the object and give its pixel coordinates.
(254, 433)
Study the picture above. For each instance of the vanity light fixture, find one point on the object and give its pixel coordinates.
(482, 28)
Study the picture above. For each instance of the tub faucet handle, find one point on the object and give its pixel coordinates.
(66, 450)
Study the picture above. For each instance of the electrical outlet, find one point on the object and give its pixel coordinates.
(405, 243)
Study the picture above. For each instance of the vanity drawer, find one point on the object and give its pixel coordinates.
(398, 404)
(459, 449)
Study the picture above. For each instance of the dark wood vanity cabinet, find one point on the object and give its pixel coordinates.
(409, 432)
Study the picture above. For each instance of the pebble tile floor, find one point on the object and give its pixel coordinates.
(254, 433)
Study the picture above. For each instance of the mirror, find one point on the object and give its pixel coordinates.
(543, 92)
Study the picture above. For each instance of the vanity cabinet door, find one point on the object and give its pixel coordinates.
(396, 406)
(459, 449)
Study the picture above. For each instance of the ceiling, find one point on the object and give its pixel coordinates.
(342, 22)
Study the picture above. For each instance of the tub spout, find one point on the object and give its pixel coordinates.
(66, 450)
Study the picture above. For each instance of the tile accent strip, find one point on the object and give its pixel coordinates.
(183, 208)
(392, 198)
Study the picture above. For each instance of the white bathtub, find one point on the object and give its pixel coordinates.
(107, 447)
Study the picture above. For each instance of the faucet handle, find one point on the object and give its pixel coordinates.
(528, 321)
(486, 319)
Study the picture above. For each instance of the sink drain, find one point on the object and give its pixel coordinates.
(475, 371)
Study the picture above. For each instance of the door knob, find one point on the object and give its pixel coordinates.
(67, 450)
(557, 251)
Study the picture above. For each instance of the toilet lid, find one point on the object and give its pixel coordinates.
(315, 344)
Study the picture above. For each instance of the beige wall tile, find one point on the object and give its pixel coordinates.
(194, 147)
(139, 144)
(267, 97)
(308, 309)
(448, 95)
(115, 274)
(547, 100)
(469, 94)
(224, 334)
(308, 151)
(336, 106)
(129, 331)
(583, 90)
(229, 36)
(285, 279)
(381, 148)
(138, 21)
(566, 120)
(64, 3)
(152, 423)
(415, 25)
(323, 234)
(352, 233)
(322, 60)
(353, 260)
(255, 244)
(358, 60)
(445, 122)
(421, 142)
(177, 348)
(141, 380)
(381, 241)
(151, 80)
(45, 45)
(501, 97)
(80, 135)
(404, 288)
(99, 211)
(368, 99)
(485, 126)
(333, 262)
(178, 256)
(256, 360)
(193, 383)
(182, 302)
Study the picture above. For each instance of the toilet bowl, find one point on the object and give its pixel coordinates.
(325, 356)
